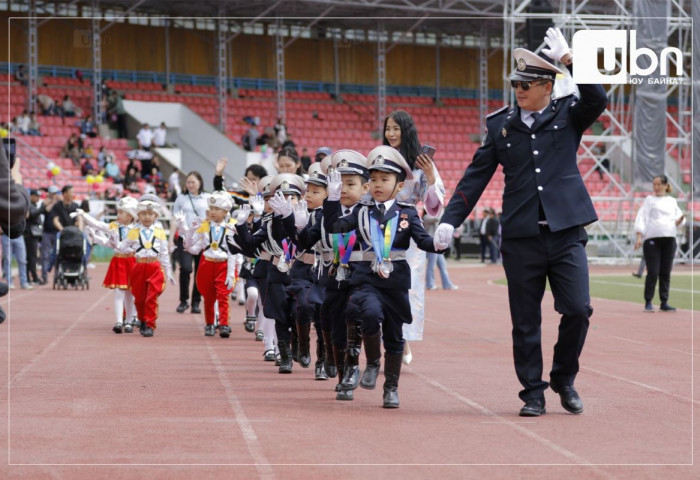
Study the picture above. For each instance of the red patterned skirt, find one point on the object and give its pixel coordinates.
(119, 271)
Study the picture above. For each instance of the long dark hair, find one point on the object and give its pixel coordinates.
(410, 146)
(198, 176)
(290, 152)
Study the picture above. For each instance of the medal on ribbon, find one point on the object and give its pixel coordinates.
(344, 244)
(381, 244)
(217, 234)
(147, 235)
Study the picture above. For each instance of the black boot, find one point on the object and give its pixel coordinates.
(392, 371)
(339, 354)
(373, 353)
(351, 372)
(303, 332)
(294, 342)
(331, 369)
(285, 357)
(320, 367)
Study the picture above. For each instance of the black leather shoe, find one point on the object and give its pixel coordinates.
(665, 307)
(147, 332)
(118, 328)
(569, 398)
(320, 371)
(533, 408)
(182, 307)
(209, 330)
(390, 399)
(195, 308)
(224, 331)
(345, 395)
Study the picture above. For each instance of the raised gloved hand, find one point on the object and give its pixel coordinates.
(242, 214)
(443, 236)
(280, 205)
(196, 223)
(335, 185)
(230, 282)
(79, 212)
(301, 215)
(179, 218)
(258, 203)
(558, 46)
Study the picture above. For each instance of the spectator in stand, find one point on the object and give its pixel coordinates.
(87, 168)
(174, 187)
(87, 126)
(111, 169)
(48, 236)
(78, 74)
(159, 135)
(131, 179)
(24, 122)
(89, 152)
(22, 76)
(69, 108)
(145, 138)
(322, 153)
(281, 131)
(116, 110)
(34, 126)
(47, 104)
(73, 149)
(305, 159)
(250, 138)
(102, 157)
(64, 208)
(32, 235)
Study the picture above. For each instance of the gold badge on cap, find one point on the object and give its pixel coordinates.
(504, 132)
(521, 64)
(284, 185)
(314, 175)
(342, 163)
(379, 160)
(212, 200)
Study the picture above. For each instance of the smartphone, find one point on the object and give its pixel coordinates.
(428, 150)
(10, 148)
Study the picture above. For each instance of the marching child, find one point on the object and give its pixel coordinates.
(149, 245)
(217, 268)
(117, 278)
(379, 304)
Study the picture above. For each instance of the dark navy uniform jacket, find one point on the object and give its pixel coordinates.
(539, 164)
(410, 226)
(251, 243)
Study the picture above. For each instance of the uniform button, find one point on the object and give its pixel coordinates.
(556, 126)
(540, 188)
(507, 144)
(537, 170)
(532, 136)
(536, 152)
(381, 226)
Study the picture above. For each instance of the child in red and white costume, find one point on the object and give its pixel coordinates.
(216, 275)
(150, 247)
(117, 278)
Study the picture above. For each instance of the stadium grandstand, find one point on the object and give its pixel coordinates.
(331, 71)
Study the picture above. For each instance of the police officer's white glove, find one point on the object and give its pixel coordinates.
(280, 205)
(258, 204)
(558, 46)
(443, 235)
(79, 212)
(335, 185)
(230, 282)
(301, 215)
(242, 215)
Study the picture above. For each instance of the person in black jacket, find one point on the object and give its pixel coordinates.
(545, 207)
(32, 234)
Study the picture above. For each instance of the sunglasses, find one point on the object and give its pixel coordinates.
(524, 85)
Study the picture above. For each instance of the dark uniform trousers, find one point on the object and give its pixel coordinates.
(528, 262)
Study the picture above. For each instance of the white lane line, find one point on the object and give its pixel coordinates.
(53, 344)
(637, 285)
(263, 467)
(515, 425)
(643, 385)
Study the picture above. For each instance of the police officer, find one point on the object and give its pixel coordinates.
(545, 207)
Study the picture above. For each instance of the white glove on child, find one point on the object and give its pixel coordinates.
(171, 278)
(558, 47)
(301, 215)
(230, 282)
(242, 215)
(335, 185)
(280, 205)
(443, 236)
(258, 204)
(79, 212)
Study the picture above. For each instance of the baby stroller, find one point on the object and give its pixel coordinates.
(70, 260)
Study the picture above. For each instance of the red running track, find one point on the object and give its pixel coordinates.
(85, 403)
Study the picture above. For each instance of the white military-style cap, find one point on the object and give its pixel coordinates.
(288, 184)
(326, 164)
(316, 175)
(530, 66)
(149, 203)
(264, 185)
(220, 199)
(387, 159)
(129, 205)
(349, 162)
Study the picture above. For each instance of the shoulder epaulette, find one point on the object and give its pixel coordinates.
(500, 110)
(133, 234)
(204, 227)
(232, 221)
(159, 233)
(556, 99)
(406, 204)
(113, 225)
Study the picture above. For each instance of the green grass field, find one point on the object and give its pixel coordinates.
(685, 289)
